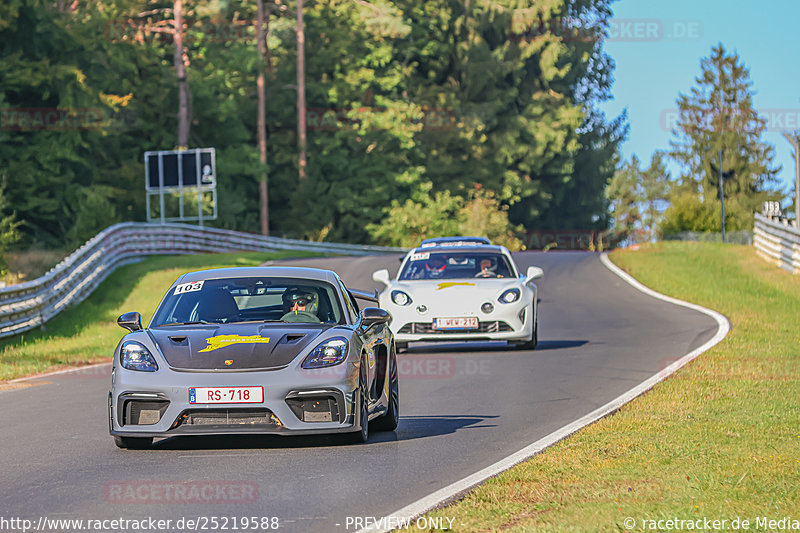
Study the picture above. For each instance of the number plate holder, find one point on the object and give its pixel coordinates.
(218, 395)
(467, 322)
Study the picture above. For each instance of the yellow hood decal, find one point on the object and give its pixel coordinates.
(446, 284)
(221, 341)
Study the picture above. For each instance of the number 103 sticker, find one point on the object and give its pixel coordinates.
(188, 287)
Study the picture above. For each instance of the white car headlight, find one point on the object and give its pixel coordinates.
(401, 298)
(509, 296)
(329, 353)
(134, 356)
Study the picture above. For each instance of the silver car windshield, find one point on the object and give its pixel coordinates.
(230, 300)
(456, 265)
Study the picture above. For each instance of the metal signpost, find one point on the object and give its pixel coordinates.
(722, 195)
(793, 140)
(183, 174)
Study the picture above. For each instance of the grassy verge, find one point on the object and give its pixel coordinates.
(30, 264)
(718, 440)
(88, 332)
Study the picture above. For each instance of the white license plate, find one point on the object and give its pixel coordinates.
(469, 322)
(226, 395)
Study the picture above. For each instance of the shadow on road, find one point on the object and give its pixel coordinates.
(476, 347)
(416, 427)
(410, 428)
(470, 347)
(557, 345)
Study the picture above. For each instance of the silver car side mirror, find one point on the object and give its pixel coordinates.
(534, 273)
(381, 276)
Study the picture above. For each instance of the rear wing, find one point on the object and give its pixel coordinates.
(365, 295)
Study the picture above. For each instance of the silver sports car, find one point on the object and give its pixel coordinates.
(255, 350)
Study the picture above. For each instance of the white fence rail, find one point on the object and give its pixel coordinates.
(31, 304)
(778, 242)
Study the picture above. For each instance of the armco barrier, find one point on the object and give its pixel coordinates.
(30, 304)
(777, 242)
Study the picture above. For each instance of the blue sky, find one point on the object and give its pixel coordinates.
(663, 59)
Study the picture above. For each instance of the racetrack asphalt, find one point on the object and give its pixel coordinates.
(462, 407)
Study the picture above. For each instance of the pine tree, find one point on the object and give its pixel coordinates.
(624, 191)
(718, 116)
(655, 183)
(638, 195)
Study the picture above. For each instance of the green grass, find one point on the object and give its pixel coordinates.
(719, 439)
(88, 332)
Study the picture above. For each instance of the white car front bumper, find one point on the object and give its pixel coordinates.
(510, 322)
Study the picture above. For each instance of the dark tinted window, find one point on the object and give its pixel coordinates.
(229, 300)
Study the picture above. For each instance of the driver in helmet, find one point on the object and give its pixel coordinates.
(300, 305)
(434, 267)
(488, 269)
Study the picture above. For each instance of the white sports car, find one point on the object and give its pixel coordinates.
(461, 291)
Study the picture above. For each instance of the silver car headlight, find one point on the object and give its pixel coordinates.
(329, 353)
(401, 298)
(509, 296)
(135, 356)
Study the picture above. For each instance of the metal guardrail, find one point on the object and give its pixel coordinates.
(778, 242)
(31, 304)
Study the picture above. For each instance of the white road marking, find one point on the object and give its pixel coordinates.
(452, 491)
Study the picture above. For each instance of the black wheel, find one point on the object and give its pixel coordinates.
(360, 437)
(389, 420)
(133, 443)
(401, 346)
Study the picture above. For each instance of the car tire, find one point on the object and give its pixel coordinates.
(389, 420)
(133, 443)
(361, 436)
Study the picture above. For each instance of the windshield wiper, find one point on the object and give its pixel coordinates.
(183, 323)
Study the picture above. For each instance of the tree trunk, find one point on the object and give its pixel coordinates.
(261, 34)
(301, 90)
(184, 95)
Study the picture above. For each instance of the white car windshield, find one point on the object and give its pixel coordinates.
(456, 265)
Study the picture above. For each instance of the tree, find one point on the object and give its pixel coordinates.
(440, 213)
(718, 115)
(638, 196)
(59, 138)
(405, 100)
(576, 200)
(655, 184)
(624, 191)
(181, 60)
(301, 91)
(688, 212)
(9, 233)
(262, 30)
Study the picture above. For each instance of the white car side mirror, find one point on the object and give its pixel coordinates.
(534, 273)
(381, 276)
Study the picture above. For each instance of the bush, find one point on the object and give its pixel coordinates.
(9, 232)
(443, 214)
(688, 212)
(95, 212)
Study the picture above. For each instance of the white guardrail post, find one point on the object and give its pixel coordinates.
(31, 304)
(777, 242)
